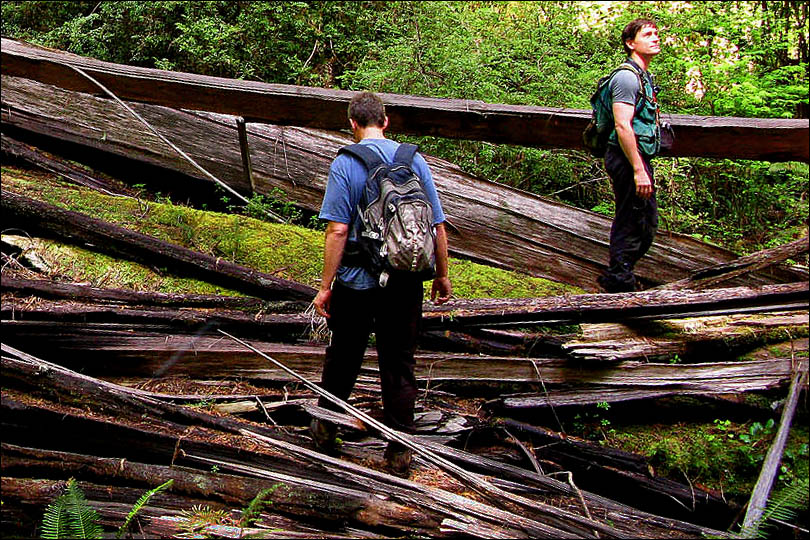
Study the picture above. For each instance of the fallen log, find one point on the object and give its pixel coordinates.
(740, 138)
(762, 490)
(296, 496)
(110, 354)
(709, 277)
(721, 338)
(281, 327)
(81, 292)
(61, 167)
(488, 222)
(653, 304)
(24, 212)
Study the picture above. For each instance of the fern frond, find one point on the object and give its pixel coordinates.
(55, 522)
(251, 513)
(140, 503)
(789, 502)
(70, 516)
(82, 519)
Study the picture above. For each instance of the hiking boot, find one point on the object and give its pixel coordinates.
(398, 458)
(323, 434)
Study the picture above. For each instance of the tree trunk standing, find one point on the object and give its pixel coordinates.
(487, 222)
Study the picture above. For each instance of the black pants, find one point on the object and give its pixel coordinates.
(634, 224)
(394, 313)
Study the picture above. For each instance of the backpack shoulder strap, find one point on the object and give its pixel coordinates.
(631, 66)
(405, 153)
(366, 155)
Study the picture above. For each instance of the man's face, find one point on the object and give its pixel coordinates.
(646, 42)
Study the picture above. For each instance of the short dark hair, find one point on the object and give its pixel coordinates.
(632, 29)
(367, 109)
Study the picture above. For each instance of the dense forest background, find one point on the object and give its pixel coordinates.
(718, 58)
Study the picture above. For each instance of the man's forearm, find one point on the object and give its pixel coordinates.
(441, 251)
(629, 145)
(334, 244)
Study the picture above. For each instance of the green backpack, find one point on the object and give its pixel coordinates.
(596, 135)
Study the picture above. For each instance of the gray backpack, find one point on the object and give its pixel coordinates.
(394, 221)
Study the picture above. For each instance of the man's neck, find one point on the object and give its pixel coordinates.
(368, 133)
(643, 61)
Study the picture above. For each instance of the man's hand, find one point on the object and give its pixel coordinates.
(644, 187)
(441, 291)
(322, 301)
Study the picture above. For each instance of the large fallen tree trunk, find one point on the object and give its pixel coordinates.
(37, 216)
(741, 138)
(489, 222)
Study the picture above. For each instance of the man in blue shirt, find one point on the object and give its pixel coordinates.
(352, 300)
(634, 142)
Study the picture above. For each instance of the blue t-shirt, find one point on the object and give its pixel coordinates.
(344, 189)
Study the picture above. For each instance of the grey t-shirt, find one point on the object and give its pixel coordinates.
(624, 87)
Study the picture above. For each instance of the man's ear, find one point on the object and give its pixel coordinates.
(352, 124)
(385, 123)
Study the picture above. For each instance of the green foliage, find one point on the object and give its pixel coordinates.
(70, 516)
(251, 513)
(139, 504)
(783, 506)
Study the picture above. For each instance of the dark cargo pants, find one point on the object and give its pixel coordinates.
(634, 224)
(394, 314)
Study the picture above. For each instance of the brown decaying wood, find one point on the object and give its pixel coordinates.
(62, 167)
(46, 288)
(709, 277)
(488, 222)
(740, 138)
(126, 402)
(116, 240)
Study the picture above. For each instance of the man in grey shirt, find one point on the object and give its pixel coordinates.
(634, 141)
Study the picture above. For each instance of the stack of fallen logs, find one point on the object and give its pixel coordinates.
(88, 392)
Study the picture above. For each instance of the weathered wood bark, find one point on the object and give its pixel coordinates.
(26, 366)
(742, 138)
(488, 222)
(770, 468)
(77, 291)
(281, 327)
(29, 213)
(709, 277)
(294, 497)
(625, 473)
(119, 353)
(652, 304)
(721, 338)
(63, 168)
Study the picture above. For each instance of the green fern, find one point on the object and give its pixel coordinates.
(787, 505)
(251, 513)
(783, 507)
(70, 516)
(140, 503)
